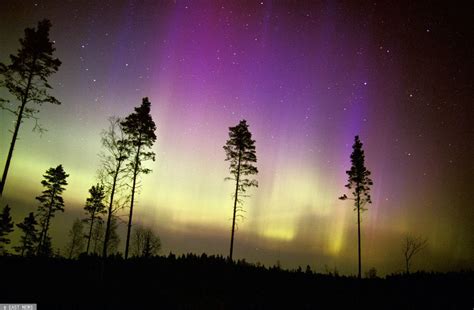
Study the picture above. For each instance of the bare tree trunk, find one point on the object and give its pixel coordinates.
(96, 239)
(40, 241)
(90, 232)
(109, 215)
(44, 232)
(12, 146)
(235, 207)
(135, 173)
(45, 235)
(17, 128)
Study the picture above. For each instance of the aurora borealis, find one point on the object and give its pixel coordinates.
(307, 77)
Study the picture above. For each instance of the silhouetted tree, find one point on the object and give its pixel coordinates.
(360, 182)
(50, 200)
(140, 130)
(411, 247)
(94, 208)
(145, 242)
(6, 227)
(75, 245)
(26, 78)
(113, 170)
(29, 237)
(240, 151)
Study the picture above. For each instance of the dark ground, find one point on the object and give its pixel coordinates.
(201, 282)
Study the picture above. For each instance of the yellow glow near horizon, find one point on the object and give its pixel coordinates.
(283, 234)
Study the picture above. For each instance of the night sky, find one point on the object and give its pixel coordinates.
(307, 77)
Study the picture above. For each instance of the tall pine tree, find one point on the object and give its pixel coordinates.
(6, 227)
(51, 201)
(26, 78)
(240, 151)
(360, 182)
(140, 130)
(29, 237)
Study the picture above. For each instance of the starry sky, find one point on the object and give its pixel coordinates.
(307, 76)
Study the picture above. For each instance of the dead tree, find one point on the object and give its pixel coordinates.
(411, 247)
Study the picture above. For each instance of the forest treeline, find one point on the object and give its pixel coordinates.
(127, 146)
(214, 282)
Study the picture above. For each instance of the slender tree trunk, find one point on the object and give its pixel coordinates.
(46, 228)
(109, 215)
(135, 173)
(95, 246)
(407, 259)
(90, 233)
(44, 232)
(12, 146)
(17, 127)
(358, 233)
(235, 207)
(40, 241)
